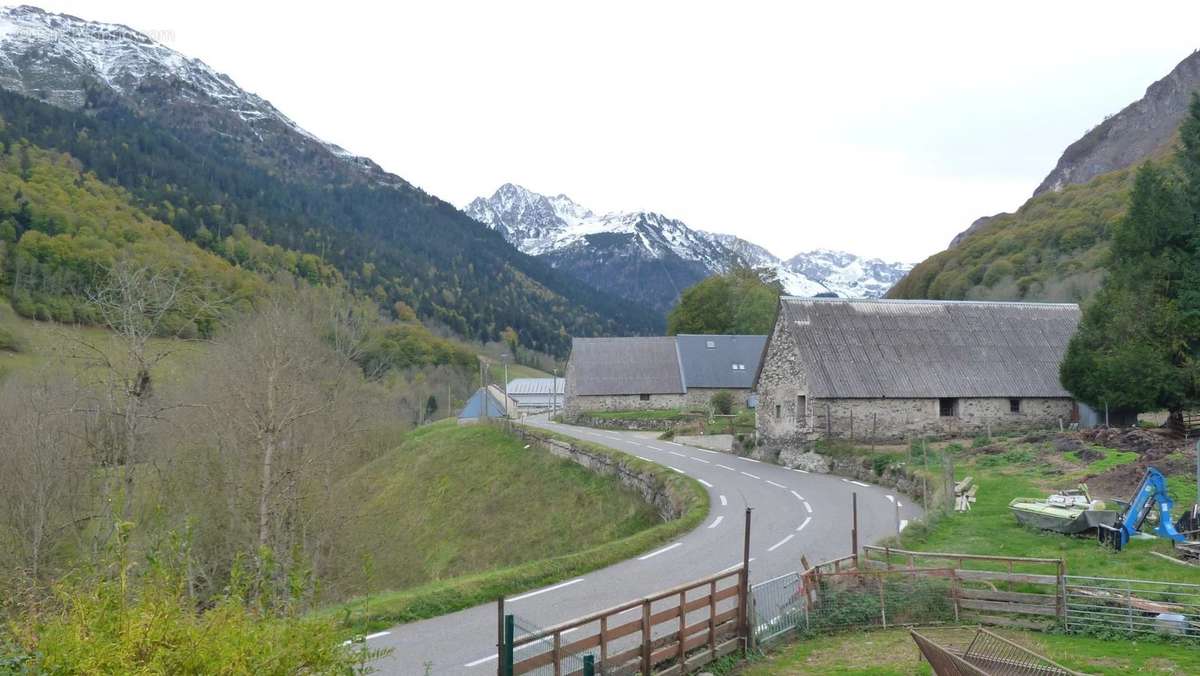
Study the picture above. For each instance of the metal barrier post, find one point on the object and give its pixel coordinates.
(500, 637)
(509, 630)
(589, 665)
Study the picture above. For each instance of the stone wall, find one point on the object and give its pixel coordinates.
(670, 504)
(900, 419)
(781, 382)
(696, 398)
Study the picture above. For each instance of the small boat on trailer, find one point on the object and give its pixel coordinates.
(1070, 512)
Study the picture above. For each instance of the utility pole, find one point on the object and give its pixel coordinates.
(554, 394)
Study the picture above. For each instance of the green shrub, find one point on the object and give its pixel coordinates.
(879, 464)
(722, 402)
(8, 341)
(124, 624)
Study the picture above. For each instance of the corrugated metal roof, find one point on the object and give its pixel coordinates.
(626, 366)
(899, 349)
(518, 386)
(720, 361)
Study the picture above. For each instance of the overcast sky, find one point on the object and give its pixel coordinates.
(881, 129)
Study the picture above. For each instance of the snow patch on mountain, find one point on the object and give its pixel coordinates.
(541, 225)
(56, 57)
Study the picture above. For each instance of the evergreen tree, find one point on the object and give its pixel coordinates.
(1136, 346)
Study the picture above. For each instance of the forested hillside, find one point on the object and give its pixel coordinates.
(394, 242)
(1053, 248)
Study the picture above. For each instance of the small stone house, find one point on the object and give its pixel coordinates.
(899, 369)
(660, 372)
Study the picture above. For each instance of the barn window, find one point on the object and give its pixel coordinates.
(801, 410)
(947, 407)
(1014, 405)
(644, 397)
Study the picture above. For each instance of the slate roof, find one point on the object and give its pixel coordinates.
(730, 362)
(492, 397)
(927, 349)
(636, 365)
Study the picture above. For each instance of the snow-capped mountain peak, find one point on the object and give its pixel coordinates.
(59, 59)
(575, 238)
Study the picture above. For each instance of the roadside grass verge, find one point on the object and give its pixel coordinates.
(589, 546)
(891, 652)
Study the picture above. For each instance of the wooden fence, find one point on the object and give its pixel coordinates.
(1005, 591)
(668, 633)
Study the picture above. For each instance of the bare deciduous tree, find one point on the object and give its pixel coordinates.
(44, 468)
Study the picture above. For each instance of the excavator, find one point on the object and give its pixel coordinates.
(1151, 494)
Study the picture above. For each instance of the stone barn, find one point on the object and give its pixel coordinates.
(899, 369)
(660, 372)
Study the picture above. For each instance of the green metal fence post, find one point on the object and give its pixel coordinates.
(508, 645)
(589, 665)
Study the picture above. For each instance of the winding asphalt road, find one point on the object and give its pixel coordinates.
(795, 513)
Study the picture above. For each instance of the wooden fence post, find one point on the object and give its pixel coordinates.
(744, 583)
(646, 640)
(1061, 601)
(682, 625)
(854, 526)
(712, 619)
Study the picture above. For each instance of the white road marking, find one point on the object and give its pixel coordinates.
(775, 484)
(726, 467)
(702, 460)
(676, 469)
(634, 443)
(748, 459)
(891, 498)
(717, 522)
(674, 443)
(859, 483)
(547, 589)
(705, 450)
(704, 483)
(735, 566)
(802, 471)
(781, 543)
(798, 496)
(642, 457)
(899, 504)
(808, 507)
(368, 637)
(660, 551)
(903, 524)
(682, 455)
(751, 475)
(478, 662)
(724, 501)
(806, 520)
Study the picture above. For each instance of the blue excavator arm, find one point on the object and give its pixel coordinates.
(1151, 494)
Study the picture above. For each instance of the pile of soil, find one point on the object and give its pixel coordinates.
(1134, 439)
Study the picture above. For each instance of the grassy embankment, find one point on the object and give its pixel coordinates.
(1012, 467)
(892, 652)
(458, 516)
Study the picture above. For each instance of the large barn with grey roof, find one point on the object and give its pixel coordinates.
(898, 369)
(660, 372)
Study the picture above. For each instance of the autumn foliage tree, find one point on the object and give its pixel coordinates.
(742, 301)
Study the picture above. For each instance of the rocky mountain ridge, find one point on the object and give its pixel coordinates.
(602, 249)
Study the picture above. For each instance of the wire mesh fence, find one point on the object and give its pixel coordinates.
(569, 662)
(779, 607)
(817, 602)
(1130, 607)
